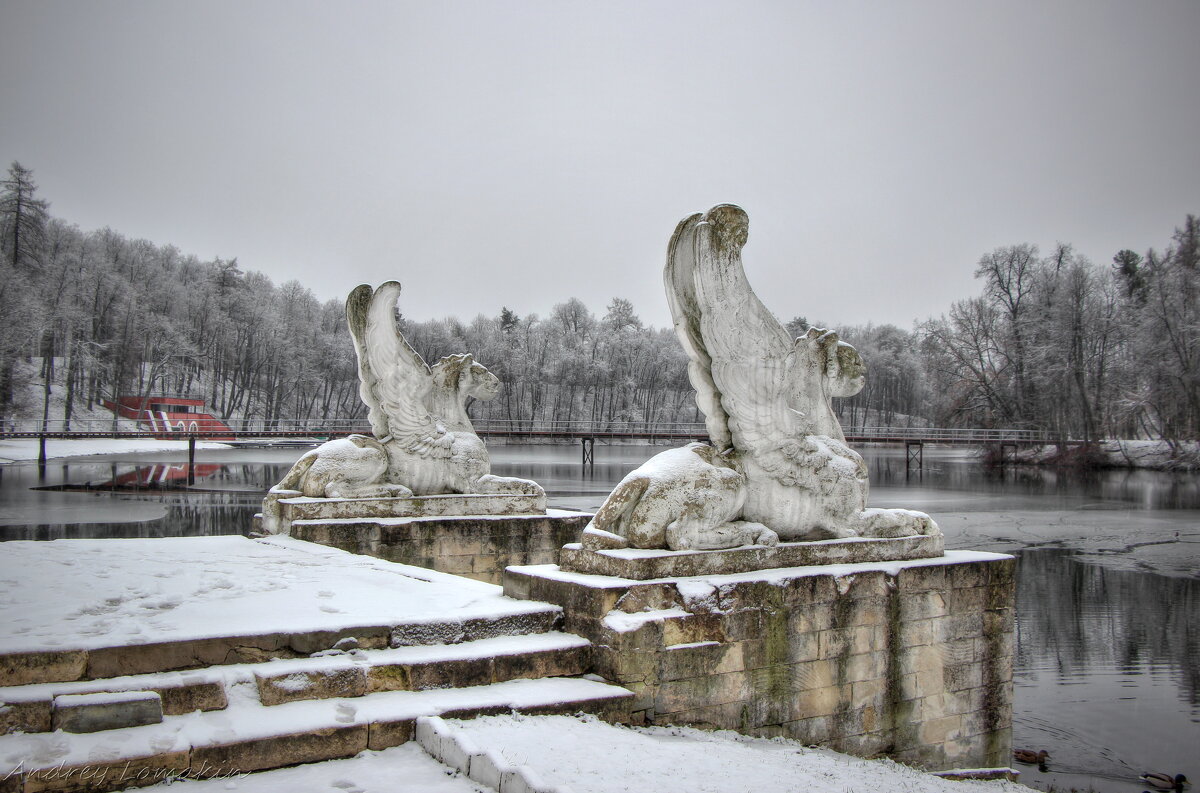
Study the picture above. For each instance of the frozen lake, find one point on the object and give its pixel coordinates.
(1108, 664)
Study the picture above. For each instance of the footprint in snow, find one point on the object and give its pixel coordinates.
(331, 610)
(163, 743)
(104, 753)
(164, 604)
(324, 593)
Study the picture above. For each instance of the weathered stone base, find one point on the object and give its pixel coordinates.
(282, 508)
(642, 564)
(474, 546)
(909, 659)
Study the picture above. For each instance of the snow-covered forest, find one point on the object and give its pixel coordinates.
(1053, 341)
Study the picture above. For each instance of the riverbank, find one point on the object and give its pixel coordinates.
(1147, 455)
(18, 450)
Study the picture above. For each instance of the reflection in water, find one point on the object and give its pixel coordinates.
(112, 500)
(1106, 676)
(961, 472)
(148, 477)
(188, 515)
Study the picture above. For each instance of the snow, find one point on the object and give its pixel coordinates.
(297, 681)
(589, 756)
(401, 769)
(103, 698)
(406, 520)
(689, 645)
(623, 622)
(85, 594)
(584, 755)
(321, 662)
(769, 576)
(654, 553)
(697, 594)
(1153, 455)
(245, 719)
(25, 449)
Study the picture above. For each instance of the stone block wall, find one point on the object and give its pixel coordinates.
(476, 547)
(911, 660)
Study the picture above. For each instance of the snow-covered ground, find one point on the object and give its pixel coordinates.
(585, 755)
(401, 769)
(590, 756)
(177, 588)
(14, 450)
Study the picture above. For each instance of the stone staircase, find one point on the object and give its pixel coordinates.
(242, 716)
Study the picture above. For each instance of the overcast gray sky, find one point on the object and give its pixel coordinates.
(518, 153)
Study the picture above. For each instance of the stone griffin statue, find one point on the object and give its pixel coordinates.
(424, 443)
(779, 466)
(766, 397)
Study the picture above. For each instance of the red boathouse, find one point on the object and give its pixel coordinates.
(170, 416)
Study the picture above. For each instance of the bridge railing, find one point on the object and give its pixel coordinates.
(646, 429)
(948, 434)
(26, 427)
(499, 427)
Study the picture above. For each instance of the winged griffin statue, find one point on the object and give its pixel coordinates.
(424, 443)
(766, 398)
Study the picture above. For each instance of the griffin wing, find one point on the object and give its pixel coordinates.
(685, 310)
(742, 360)
(394, 381)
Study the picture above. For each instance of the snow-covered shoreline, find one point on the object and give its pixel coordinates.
(17, 450)
(1139, 454)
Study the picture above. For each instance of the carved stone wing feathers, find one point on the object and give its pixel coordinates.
(394, 381)
(679, 276)
(742, 358)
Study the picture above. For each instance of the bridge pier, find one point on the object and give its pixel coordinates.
(588, 447)
(914, 452)
(1003, 457)
(191, 477)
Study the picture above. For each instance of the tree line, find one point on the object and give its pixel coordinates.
(1052, 342)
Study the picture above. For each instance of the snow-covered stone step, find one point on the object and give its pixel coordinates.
(451, 747)
(417, 668)
(131, 659)
(248, 736)
(189, 602)
(400, 769)
(30, 708)
(327, 675)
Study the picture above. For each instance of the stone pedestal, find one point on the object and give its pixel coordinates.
(643, 564)
(909, 659)
(475, 546)
(281, 508)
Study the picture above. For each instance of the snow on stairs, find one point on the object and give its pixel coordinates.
(250, 717)
(53, 666)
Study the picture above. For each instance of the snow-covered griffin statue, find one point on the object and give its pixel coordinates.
(424, 443)
(766, 401)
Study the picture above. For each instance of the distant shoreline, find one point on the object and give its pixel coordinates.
(1139, 455)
